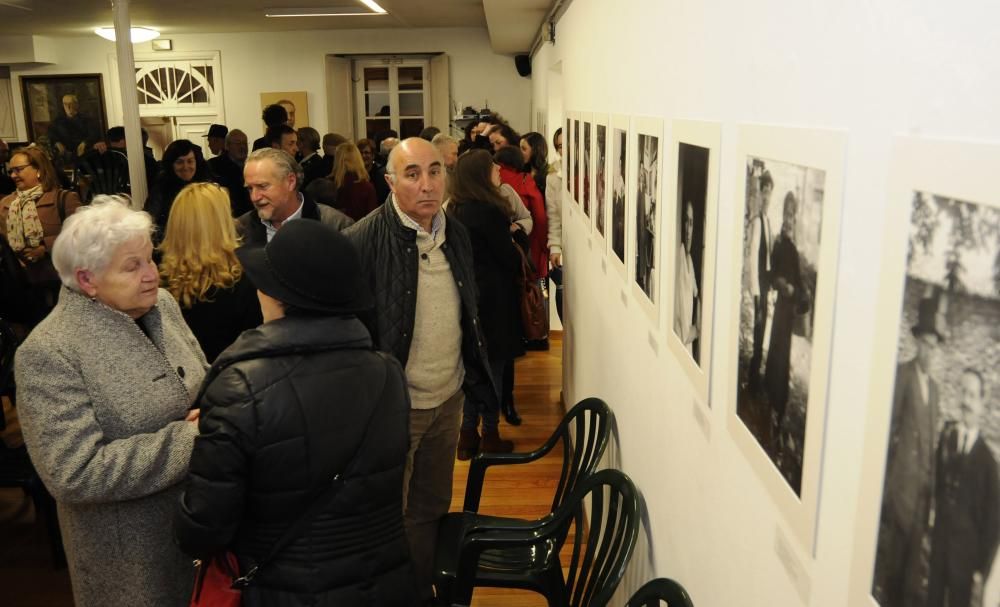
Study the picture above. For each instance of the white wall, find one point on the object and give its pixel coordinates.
(294, 61)
(871, 69)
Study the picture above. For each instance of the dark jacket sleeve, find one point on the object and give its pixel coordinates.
(211, 506)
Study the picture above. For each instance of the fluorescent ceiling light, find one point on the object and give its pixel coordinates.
(327, 11)
(138, 34)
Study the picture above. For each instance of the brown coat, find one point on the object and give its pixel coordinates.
(48, 214)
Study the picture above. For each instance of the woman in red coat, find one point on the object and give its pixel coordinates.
(512, 173)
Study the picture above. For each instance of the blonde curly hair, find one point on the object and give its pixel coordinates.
(199, 245)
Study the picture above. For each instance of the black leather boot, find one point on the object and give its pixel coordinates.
(510, 413)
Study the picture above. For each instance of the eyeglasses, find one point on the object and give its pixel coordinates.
(17, 170)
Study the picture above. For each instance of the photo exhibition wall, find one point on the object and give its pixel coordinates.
(781, 238)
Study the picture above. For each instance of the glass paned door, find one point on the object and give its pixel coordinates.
(392, 94)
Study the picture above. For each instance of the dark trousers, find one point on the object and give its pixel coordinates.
(555, 275)
(474, 408)
(759, 325)
(950, 576)
(427, 482)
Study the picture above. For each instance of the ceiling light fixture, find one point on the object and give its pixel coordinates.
(138, 34)
(328, 11)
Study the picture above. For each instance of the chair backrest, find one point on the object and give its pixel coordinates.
(585, 431)
(104, 174)
(603, 542)
(660, 589)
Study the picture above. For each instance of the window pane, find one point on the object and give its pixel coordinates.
(410, 127)
(377, 104)
(376, 79)
(411, 78)
(373, 126)
(411, 104)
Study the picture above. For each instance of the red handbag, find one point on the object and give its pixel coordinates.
(214, 582)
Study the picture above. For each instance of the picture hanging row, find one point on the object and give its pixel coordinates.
(929, 513)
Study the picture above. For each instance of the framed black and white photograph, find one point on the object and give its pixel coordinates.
(586, 157)
(785, 259)
(693, 182)
(644, 213)
(576, 161)
(568, 153)
(600, 174)
(619, 191)
(932, 537)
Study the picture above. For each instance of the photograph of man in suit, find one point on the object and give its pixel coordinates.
(909, 470)
(966, 504)
(761, 243)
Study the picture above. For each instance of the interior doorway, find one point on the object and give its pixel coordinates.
(165, 129)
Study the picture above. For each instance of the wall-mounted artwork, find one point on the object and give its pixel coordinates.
(296, 103)
(576, 160)
(693, 183)
(645, 213)
(935, 413)
(586, 157)
(568, 153)
(619, 189)
(785, 258)
(600, 174)
(64, 114)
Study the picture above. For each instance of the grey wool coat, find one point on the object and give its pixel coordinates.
(102, 407)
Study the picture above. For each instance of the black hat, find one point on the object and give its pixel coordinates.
(217, 130)
(310, 266)
(927, 319)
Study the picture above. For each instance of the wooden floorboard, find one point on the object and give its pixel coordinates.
(28, 580)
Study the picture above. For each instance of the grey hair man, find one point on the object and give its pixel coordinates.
(420, 267)
(448, 146)
(273, 178)
(379, 173)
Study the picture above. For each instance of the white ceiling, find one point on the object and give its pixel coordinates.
(512, 24)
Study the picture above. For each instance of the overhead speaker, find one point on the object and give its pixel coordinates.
(523, 63)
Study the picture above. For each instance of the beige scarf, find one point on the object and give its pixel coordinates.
(24, 230)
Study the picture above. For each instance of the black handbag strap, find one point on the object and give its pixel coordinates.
(61, 205)
(318, 504)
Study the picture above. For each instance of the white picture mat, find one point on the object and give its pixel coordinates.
(645, 126)
(706, 135)
(822, 149)
(621, 123)
(963, 171)
(601, 120)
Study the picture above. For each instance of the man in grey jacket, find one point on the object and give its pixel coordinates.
(273, 179)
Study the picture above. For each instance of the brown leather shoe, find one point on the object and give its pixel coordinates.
(492, 443)
(468, 443)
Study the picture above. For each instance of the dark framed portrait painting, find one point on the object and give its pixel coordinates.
(65, 114)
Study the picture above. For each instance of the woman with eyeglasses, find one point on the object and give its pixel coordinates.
(30, 220)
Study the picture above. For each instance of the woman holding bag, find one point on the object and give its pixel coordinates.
(304, 434)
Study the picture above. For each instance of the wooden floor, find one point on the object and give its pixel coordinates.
(28, 580)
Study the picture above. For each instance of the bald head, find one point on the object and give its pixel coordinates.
(415, 173)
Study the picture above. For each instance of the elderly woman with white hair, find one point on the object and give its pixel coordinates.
(105, 383)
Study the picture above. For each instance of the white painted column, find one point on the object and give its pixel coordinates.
(130, 102)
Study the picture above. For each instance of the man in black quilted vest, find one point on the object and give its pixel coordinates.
(419, 266)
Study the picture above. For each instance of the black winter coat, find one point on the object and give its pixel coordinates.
(389, 258)
(283, 410)
(498, 270)
(223, 316)
(254, 234)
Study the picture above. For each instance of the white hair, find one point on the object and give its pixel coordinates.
(90, 236)
(441, 140)
(388, 144)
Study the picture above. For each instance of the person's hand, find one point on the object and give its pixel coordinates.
(101, 147)
(789, 289)
(555, 259)
(514, 227)
(193, 415)
(33, 254)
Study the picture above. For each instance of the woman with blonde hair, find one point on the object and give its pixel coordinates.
(200, 268)
(355, 192)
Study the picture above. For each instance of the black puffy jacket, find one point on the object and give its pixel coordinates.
(389, 258)
(283, 410)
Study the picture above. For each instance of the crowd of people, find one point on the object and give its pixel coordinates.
(280, 357)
